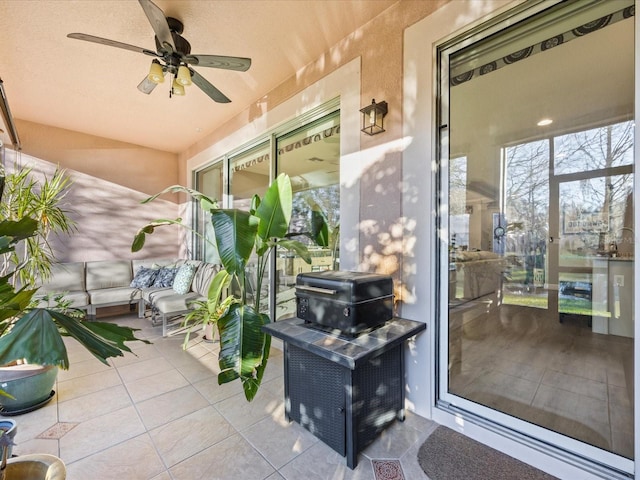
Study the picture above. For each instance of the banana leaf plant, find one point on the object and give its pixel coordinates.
(35, 334)
(243, 237)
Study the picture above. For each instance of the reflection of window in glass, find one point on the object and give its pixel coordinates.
(210, 182)
(603, 147)
(594, 217)
(459, 211)
(527, 192)
(527, 217)
(311, 158)
(552, 297)
(249, 175)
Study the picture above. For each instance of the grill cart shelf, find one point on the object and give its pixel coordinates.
(344, 389)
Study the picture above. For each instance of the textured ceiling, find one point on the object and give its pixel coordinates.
(91, 88)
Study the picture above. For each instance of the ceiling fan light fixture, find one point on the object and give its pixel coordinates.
(184, 77)
(155, 72)
(174, 52)
(177, 88)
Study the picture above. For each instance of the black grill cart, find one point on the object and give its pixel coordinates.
(344, 389)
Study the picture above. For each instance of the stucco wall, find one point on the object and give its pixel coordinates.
(375, 171)
(379, 43)
(139, 168)
(107, 214)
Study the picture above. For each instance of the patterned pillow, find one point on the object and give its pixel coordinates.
(165, 277)
(144, 277)
(184, 277)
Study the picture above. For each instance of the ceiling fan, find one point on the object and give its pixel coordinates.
(173, 56)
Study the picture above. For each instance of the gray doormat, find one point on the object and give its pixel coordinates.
(449, 455)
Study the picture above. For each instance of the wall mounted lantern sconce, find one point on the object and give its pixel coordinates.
(373, 117)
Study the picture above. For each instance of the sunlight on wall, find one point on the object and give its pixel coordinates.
(386, 236)
(418, 165)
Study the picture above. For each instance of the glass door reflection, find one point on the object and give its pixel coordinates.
(539, 332)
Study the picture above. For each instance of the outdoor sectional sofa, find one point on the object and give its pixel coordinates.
(96, 284)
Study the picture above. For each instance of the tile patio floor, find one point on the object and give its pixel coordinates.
(161, 415)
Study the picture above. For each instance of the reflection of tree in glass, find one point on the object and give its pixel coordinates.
(603, 147)
(326, 199)
(527, 181)
(527, 191)
(599, 148)
(457, 185)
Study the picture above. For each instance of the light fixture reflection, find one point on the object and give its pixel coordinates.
(544, 122)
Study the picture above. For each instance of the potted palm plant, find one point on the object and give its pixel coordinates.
(24, 196)
(30, 335)
(242, 238)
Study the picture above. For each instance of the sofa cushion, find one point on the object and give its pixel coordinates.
(183, 279)
(203, 278)
(150, 295)
(65, 277)
(165, 277)
(176, 303)
(76, 299)
(144, 277)
(108, 274)
(114, 295)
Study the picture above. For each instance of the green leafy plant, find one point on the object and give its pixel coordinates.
(320, 233)
(35, 334)
(241, 237)
(42, 201)
(27, 332)
(209, 311)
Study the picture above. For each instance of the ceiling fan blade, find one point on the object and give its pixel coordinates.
(207, 88)
(147, 86)
(219, 61)
(158, 22)
(111, 43)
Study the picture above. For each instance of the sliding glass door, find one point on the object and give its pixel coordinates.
(311, 157)
(307, 149)
(537, 239)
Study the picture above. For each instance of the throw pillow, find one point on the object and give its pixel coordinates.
(165, 277)
(184, 277)
(144, 277)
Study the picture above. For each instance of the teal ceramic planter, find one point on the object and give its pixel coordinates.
(30, 385)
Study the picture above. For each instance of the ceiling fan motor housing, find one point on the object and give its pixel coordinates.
(173, 59)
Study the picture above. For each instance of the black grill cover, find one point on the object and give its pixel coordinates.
(351, 302)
